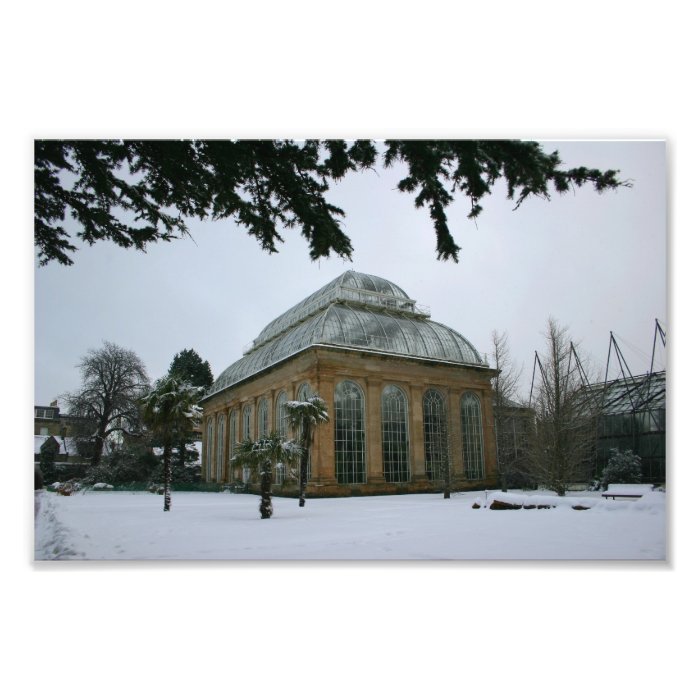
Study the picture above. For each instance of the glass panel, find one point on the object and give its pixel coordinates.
(435, 433)
(247, 423)
(220, 448)
(210, 450)
(262, 418)
(472, 439)
(349, 434)
(281, 415)
(232, 432)
(395, 434)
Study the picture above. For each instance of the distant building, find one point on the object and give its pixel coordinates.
(405, 394)
(48, 420)
(513, 429)
(54, 435)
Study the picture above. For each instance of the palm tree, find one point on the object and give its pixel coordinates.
(260, 455)
(304, 416)
(170, 410)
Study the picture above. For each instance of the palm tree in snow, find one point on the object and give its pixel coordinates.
(169, 411)
(303, 417)
(260, 455)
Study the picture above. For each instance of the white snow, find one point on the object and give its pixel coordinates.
(222, 526)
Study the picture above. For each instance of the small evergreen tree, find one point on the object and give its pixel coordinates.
(622, 468)
(47, 460)
(188, 365)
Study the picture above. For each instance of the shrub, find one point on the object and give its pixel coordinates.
(622, 468)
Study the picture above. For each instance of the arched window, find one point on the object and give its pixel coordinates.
(281, 415)
(247, 422)
(435, 433)
(303, 392)
(281, 429)
(349, 433)
(247, 435)
(220, 436)
(394, 434)
(472, 436)
(210, 450)
(262, 418)
(232, 432)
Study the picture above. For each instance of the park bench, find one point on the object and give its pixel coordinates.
(627, 490)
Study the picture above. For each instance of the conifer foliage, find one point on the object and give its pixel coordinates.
(138, 192)
(188, 365)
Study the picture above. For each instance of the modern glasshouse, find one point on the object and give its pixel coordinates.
(408, 397)
(633, 417)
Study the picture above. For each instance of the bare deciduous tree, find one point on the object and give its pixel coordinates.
(564, 435)
(505, 387)
(114, 381)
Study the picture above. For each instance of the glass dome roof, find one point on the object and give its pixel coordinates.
(357, 312)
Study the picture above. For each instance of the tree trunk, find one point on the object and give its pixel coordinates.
(446, 462)
(303, 477)
(97, 447)
(167, 475)
(266, 491)
(304, 463)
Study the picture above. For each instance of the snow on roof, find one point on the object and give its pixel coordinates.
(63, 443)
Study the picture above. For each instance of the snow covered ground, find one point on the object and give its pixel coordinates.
(216, 526)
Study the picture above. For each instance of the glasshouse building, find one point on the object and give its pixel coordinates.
(407, 396)
(633, 417)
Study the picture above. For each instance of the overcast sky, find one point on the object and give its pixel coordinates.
(596, 263)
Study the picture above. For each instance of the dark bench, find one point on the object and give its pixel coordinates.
(627, 490)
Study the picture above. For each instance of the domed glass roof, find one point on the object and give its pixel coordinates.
(357, 312)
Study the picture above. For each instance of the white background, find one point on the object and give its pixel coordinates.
(535, 70)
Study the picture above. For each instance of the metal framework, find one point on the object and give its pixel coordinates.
(633, 412)
(630, 409)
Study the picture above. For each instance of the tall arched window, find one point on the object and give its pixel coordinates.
(262, 418)
(349, 433)
(472, 436)
(210, 450)
(435, 433)
(281, 430)
(281, 415)
(247, 435)
(303, 392)
(232, 432)
(220, 437)
(394, 434)
(248, 422)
